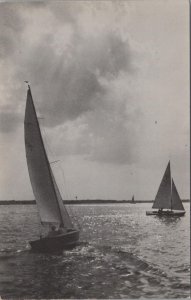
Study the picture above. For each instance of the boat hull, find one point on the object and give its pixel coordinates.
(166, 213)
(56, 243)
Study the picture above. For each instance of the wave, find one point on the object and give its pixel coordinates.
(117, 257)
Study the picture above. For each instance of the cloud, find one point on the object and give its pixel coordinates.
(101, 73)
(68, 12)
(109, 132)
(9, 121)
(76, 75)
(11, 27)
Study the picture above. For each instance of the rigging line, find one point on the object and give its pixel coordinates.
(47, 142)
(48, 145)
(53, 156)
(51, 152)
(62, 188)
(67, 193)
(70, 198)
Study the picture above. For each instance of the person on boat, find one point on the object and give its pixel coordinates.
(53, 228)
(53, 231)
(160, 211)
(62, 229)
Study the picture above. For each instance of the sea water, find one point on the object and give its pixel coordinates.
(122, 254)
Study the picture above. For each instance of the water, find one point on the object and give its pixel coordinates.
(123, 254)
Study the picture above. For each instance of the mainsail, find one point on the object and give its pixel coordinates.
(163, 197)
(45, 189)
(176, 201)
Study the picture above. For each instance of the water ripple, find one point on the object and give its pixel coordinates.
(122, 254)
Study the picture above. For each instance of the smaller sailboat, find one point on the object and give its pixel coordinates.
(133, 200)
(167, 199)
(53, 213)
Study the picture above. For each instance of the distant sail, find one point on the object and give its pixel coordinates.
(47, 195)
(133, 200)
(163, 197)
(176, 201)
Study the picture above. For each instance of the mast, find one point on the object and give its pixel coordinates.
(45, 156)
(171, 194)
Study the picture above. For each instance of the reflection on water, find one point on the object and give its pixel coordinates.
(123, 254)
(169, 220)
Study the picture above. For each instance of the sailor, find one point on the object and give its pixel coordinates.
(53, 231)
(53, 228)
(62, 229)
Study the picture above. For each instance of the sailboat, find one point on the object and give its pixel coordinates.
(167, 198)
(52, 212)
(133, 200)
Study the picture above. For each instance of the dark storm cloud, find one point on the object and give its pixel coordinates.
(9, 121)
(11, 25)
(72, 78)
(67, 12)
(75, 75)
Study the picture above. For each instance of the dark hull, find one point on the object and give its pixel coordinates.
(56, 243)
(166, 213)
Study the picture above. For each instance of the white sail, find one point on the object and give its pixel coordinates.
(176, 201)
(65, 216)
(48, 198)
(163, 197)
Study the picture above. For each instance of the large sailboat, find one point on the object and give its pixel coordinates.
(53, 213)
(167, 199)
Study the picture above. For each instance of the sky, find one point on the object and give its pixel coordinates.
(110, 80)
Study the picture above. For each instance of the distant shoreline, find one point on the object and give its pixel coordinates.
(89, 202)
